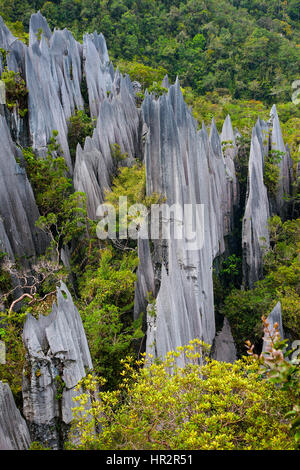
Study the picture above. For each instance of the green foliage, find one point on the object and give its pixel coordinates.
(60, 387)
(141, 73)
(17, 30)
(80, 126)
(48, 178)
(5, 281)
(244, 309)
(117, 155)
(248, 48)
(230, 271)
(157, 90)
(35, 445)
(281, 367)
(272, 171)
(11, 335)
(131, 183)
(108, 293)
(15, 90)
(213, 406)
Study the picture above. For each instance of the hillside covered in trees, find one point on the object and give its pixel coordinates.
(249, 49)
(136, 342)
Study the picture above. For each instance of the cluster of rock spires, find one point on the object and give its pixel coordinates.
(57, 358)
(266, 138)
(189, 167)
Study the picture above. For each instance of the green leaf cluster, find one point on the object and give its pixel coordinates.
(15, 91)
(211, 406)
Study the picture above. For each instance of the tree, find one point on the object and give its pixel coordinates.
(213, 406)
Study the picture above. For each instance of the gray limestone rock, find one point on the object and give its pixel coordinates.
(14, 433)
(97, 70)
(285, 164)
(224, 347)
(118, 123)
(260, 205)
(37, 26)
(57, 358)
(6, 37)
(274, 317)
(255, 233)
(18, 211)
(187, 167)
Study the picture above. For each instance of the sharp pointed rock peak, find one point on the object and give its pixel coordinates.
(14, 433)
(57, 358)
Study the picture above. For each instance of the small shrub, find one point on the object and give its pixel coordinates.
(80, 126)
(214, 406)
(16, 91)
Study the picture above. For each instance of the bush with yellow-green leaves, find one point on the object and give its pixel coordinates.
(209, 405)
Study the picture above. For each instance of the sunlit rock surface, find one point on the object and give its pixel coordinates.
(187, 167)
(14, 433)
(57, 358)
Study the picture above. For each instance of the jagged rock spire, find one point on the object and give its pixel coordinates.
(188, 167)
(118, 123)
(6, 37)
(260, 204)
(224, 348)
(14, 433)
(285, 164)
(255, 234)
(18, 211)
(37, 26)
(57, 358)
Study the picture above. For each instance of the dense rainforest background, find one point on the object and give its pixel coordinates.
(232, 57)
(249, 49)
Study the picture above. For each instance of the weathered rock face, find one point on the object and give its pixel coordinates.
(266, 138)
(285, 165)
(228, 141)
(54, 67)
(99, 74)
(224, 348)
(57, 358)
(53, 77)
(187, 167)
(18, 211)
(6, 37)
(118, 123)
(255, 236)
(274, 317)
(14, 434)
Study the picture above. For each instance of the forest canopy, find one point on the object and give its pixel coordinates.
(250, 49)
